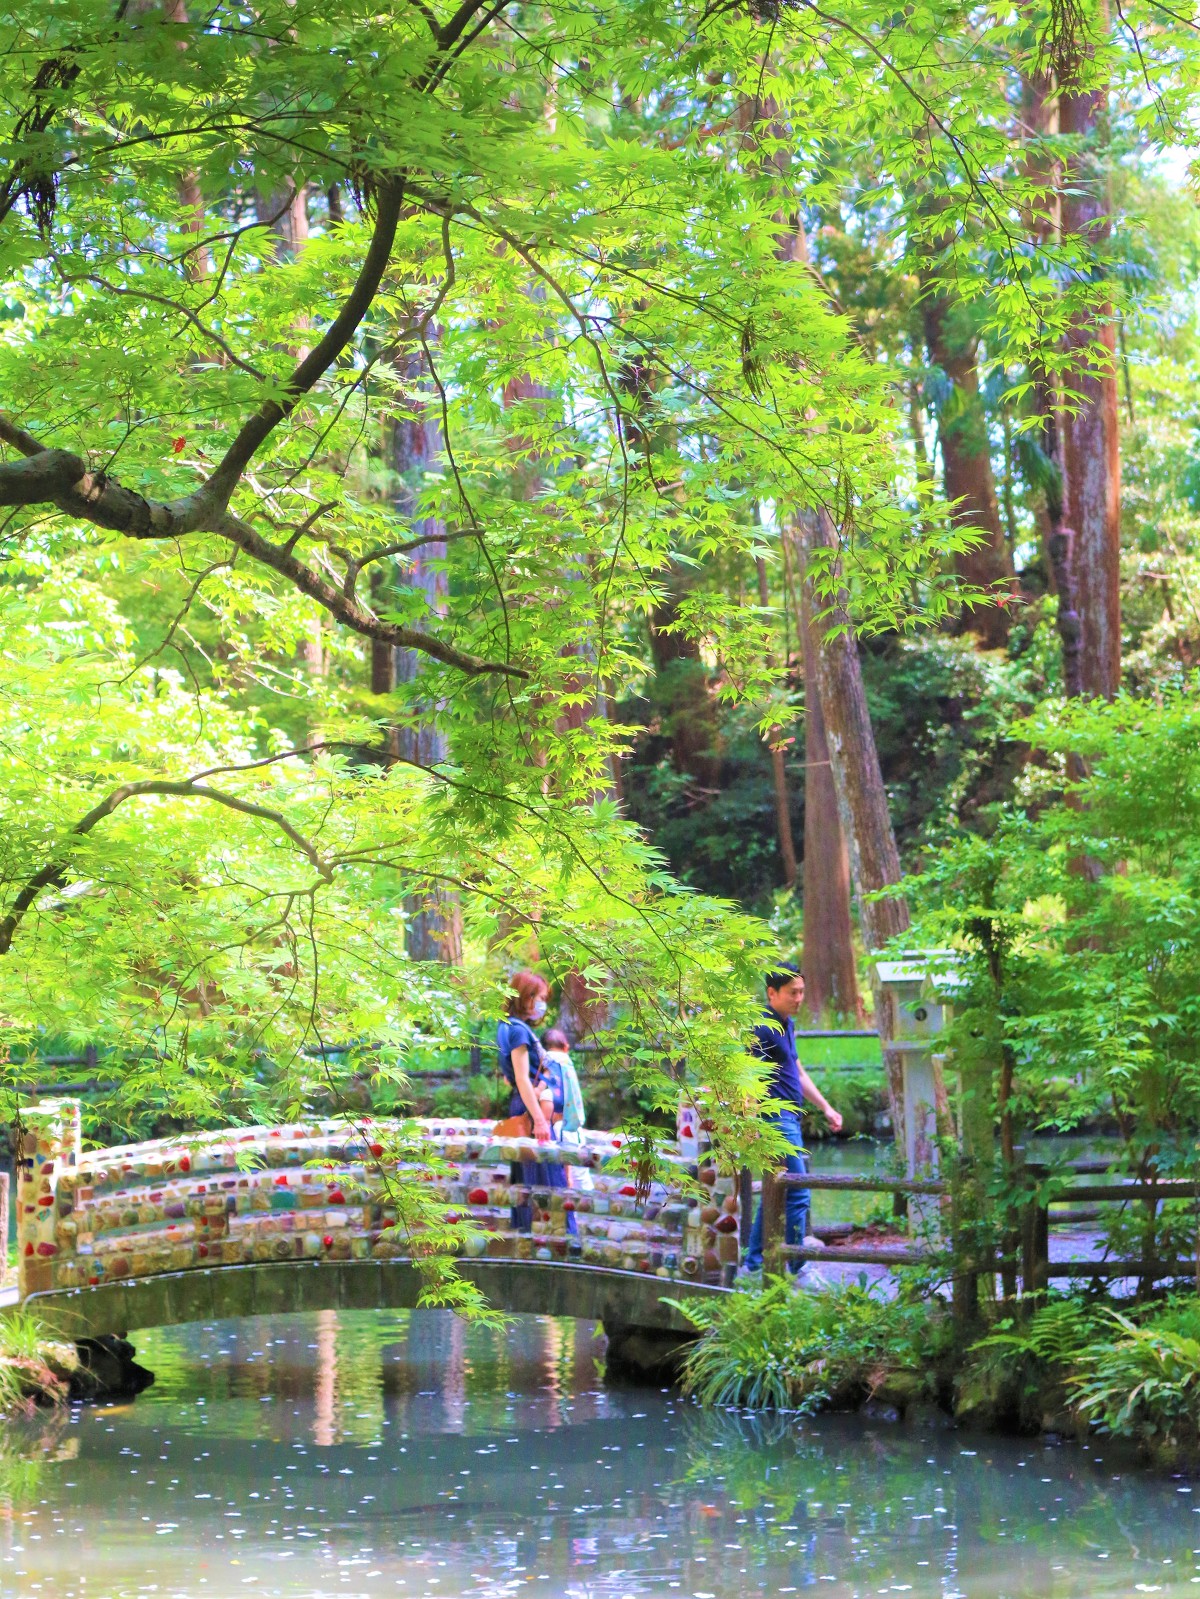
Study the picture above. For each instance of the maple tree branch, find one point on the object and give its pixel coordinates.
(344, 608)
(64, 479)
(209, 334)
(53, 872)
(316, 363)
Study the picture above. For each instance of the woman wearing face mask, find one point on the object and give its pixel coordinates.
(521, 1060)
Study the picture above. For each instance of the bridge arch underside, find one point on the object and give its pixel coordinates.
(630, 1301)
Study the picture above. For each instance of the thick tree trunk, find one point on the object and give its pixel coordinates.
(285, 212)
(967, 478)
(861, 798)
(689, 712)
(830, 980)
(1090, 429)
(1039, 114)
(783, 798)
(1082, 511)
(433, 921)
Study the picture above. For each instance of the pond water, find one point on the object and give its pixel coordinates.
(404, 1454)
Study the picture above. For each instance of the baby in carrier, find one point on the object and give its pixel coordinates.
(561, 1098)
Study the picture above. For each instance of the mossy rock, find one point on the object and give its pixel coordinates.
(988, 1397)
(901, 1390)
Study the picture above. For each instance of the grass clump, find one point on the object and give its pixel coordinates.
(780, 1349)
(34, 1368)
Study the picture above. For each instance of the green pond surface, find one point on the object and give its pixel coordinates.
(370, 1453)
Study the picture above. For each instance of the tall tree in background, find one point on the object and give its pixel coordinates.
(857, 780)
(433, 920)
(1043, 220)
(967, 479)
(779, 782)
(1091, 452)
(830, 976)
(1064, 134)
(283, 210)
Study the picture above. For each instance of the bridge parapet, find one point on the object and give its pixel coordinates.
(328, 1190)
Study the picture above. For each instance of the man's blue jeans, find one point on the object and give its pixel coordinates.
(797, 1201)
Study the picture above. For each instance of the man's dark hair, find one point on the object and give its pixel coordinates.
(781, 977)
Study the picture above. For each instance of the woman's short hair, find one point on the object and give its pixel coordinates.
(555, 1038)
(526, 987)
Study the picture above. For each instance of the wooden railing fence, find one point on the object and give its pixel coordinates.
(1036, 1215)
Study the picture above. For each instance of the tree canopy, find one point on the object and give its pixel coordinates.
(248, 251)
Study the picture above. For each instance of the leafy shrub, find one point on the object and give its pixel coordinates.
(1056, 1334)
(786, 1350)
(1145, 1386)
(1180, 1314)
(479, 1097)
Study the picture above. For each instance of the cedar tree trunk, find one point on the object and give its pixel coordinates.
(433, 921)
(861, 798)
(1090, 436)
(783, 800)
(830, 980)
(967, 478)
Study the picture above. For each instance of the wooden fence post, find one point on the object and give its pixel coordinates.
(773, 1211)
(1035, 1246)
(964, 1287)
(1149, 1245)
(745, 1207)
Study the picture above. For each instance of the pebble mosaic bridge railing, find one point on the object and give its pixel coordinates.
(257, 1194)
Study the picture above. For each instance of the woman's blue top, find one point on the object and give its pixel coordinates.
(511, 1034)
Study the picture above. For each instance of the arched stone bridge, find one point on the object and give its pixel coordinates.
(253, 1220)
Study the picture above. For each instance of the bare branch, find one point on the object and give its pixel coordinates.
(344, 608)
(54, 872)
(210, 334)
(406, 546)
(65, 480)
(177, 619)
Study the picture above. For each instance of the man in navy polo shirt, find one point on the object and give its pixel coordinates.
(789, 1085)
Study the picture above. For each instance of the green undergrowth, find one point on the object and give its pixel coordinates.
(782, 1349)
(1070, 1365)
(34, 1368)
(1131, 1374)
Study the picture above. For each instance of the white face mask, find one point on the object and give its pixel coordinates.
(538, 1009)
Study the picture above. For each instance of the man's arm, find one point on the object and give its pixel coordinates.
(815, 1097)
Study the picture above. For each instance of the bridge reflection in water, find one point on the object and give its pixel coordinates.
(261, 1220)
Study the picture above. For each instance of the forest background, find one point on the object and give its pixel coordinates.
(541, 482)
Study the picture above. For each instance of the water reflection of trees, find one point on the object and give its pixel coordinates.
(881, 1494)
